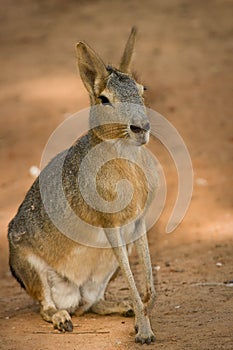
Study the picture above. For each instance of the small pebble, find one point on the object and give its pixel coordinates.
(157, 268)
(219, 264)
(177, 270)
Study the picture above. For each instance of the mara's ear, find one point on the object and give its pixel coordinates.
(125, 64)
(92, 69)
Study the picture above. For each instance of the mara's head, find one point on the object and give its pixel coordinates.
(117, 103)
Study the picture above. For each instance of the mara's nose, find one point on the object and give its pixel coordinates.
(137, 129)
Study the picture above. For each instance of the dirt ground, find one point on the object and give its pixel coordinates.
(184, 56)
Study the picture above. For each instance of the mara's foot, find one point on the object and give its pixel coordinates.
(145, 338)
(62, 321)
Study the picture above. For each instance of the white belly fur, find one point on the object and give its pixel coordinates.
(81, 278)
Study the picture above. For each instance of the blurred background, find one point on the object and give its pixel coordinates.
(183, 55)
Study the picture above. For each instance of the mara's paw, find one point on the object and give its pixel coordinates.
(62, 321)
(128, 313)
(145, 338)
(127, 309)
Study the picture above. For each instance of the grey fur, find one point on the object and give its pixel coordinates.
(63, 275)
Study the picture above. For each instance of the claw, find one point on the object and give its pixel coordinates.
(139, 340)
(68, 326)
(62, 321)
(61, 327)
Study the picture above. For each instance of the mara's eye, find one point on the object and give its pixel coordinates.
(104, 100)
(145, 88)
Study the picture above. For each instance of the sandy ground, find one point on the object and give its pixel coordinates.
(184, 56)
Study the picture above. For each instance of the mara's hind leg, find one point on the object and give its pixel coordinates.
(32, 273)
(106, 307)
(93, 293)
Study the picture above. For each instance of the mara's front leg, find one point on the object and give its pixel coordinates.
(142, 322)
(142, 248)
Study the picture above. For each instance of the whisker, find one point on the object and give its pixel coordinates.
(115, 132)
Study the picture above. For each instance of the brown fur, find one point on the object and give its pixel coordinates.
(63, 275)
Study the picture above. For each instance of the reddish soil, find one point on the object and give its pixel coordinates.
(184, 56)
